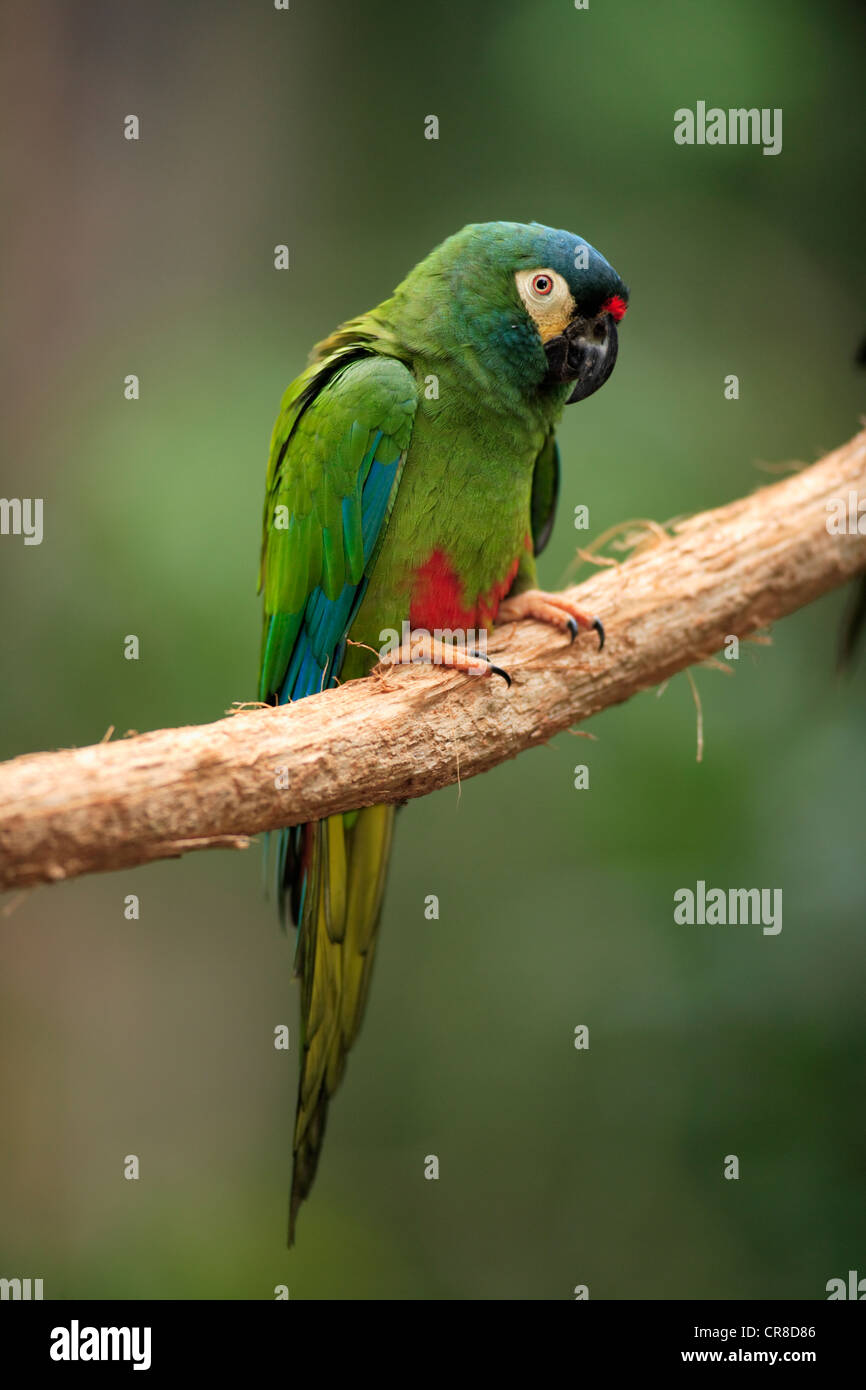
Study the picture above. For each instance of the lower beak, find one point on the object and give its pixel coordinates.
(584, 353)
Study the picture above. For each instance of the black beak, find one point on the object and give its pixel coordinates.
(585, 354)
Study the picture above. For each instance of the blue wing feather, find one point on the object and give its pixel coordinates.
(325, 622)
(310, 645)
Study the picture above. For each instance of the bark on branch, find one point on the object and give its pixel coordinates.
(159, 795)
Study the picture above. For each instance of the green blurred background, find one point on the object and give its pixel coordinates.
(154, 1037)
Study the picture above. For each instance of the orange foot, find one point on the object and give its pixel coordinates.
(548, 608)
(425, 648)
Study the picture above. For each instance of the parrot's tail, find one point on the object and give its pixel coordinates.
(336, 872)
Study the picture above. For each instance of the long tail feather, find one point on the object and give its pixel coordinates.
(344, 862)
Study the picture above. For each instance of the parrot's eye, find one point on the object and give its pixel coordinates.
(546, 298)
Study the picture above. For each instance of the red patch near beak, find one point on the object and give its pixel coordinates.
(615, 306)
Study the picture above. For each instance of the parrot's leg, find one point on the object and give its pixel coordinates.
(425, 648)
(548, 608)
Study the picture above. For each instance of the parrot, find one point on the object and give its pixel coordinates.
(412, 478)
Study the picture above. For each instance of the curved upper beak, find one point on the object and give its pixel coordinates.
(584, 353)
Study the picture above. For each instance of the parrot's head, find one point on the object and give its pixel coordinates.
(575, 300)
(538, 305)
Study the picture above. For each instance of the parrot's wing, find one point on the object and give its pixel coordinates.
(336, 456)
(545, 492)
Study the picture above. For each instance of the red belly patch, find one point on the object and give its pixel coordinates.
(438, 598)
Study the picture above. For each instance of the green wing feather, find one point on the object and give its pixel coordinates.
(320, 458)
(342, 420)
(545, 493)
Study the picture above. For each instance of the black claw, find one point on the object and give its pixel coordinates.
(494, 670)
(596, 622)
(573, 628)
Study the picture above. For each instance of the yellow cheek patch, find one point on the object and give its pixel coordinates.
(550, 325)
(551, 313)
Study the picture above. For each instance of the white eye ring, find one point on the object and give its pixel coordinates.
(546, 298)
(542, 287)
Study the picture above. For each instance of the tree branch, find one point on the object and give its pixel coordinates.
(159, 795)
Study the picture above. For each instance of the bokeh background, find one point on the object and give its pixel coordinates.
(154, 1037)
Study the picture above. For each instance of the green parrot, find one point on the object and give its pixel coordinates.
(412, 479)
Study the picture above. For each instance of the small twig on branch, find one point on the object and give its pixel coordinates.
(154, 796)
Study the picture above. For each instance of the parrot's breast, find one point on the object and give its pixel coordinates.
(439, 598)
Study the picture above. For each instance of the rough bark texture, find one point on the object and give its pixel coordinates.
(390, 738)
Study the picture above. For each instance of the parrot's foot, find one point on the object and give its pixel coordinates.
(548, 608)
(424, 648)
